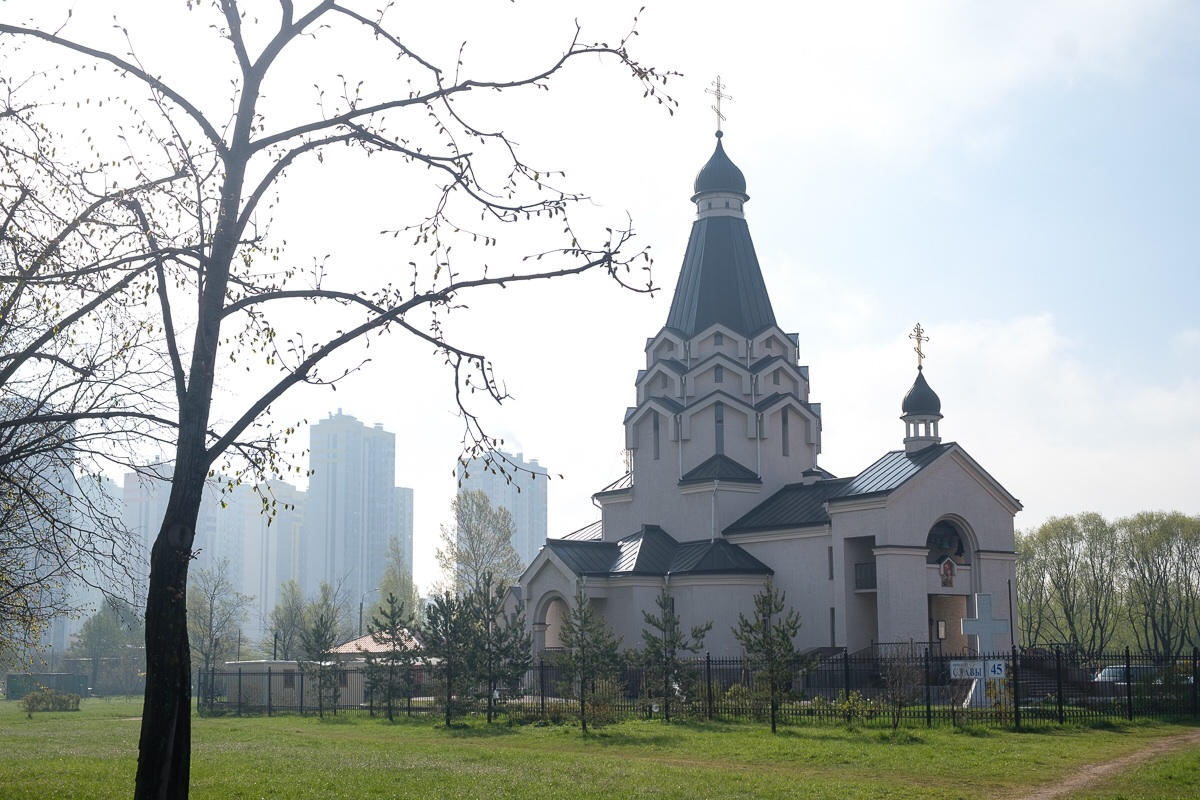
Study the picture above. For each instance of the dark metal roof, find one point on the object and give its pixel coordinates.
(588, 533)
(766, 361)
(720, 174)
(721, 467)
(653, 551)
(584, 558)
(893, 469)
(623, 482)
(921, 400)
(720, 281)
(675, 364)
(803, 505)
(716, 556)
(671, 404)
(794, 506)
(649, 550)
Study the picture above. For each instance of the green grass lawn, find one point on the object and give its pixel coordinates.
(92, 754)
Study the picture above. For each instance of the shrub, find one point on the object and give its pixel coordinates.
(854, 707)
(49, 700)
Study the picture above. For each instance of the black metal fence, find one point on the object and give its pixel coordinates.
(893, 685)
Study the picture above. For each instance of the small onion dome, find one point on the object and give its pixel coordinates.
(720, 175)
(921, 400)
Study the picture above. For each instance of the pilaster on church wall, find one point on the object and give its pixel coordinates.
(902, 613)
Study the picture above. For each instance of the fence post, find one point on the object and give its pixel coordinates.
(239, 711)
(301, 692)
(542, 685)
(1058, 692)
(928, 693)
(1128, 685)
(846, 678)
(1016, 687)
(212, 688)
(268, 691)
(1195, 680)
(708, 679)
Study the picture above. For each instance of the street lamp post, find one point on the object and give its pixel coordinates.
(360, 607)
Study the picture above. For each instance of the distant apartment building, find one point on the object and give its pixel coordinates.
(260, 540)
(337, 531)
(521, 487)
(353, 506)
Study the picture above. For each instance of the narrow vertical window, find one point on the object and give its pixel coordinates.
(832, 626)
(718, 339)
(718, 374)
(720, 431)
(655, 424)
(783, 430)
(775, 376)
(831, 562)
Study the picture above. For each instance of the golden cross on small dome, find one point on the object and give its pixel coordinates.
(918, 334)
(719, 93)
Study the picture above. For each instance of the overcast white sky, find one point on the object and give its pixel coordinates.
(1021, 178)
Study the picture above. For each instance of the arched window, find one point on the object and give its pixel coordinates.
(946, 541)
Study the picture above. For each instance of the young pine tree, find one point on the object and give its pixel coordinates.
(664, 645)
(769, 641)
(389, 673)
(503, 645)
(592, 651)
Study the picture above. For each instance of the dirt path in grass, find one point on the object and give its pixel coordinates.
(1094, 773)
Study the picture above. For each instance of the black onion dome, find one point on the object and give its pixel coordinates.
(720, 175)
(921, 400)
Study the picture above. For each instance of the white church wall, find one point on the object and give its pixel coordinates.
(801, 564)
(901, 602)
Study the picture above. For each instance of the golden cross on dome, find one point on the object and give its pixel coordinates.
(918, 334)
(719, 93)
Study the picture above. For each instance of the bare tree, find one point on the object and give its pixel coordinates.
(902, 669)
(287, 620)
(1035, 609)
(1083, 570)
(212, 275)
(1162, 556)
(73, 361)
(216, 612)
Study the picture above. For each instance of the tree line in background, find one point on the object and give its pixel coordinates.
(1090, 585)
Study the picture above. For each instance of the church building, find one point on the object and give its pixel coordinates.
(725, 492)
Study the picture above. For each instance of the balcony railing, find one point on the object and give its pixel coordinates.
(864, 576)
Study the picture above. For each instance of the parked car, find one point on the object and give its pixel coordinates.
(1116, 674)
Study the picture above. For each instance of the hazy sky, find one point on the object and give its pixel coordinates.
(1021, 178)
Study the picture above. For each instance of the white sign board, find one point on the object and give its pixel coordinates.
(966, 670)
(977, 670)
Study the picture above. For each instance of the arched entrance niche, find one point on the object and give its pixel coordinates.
(951, 554)
(547, 625)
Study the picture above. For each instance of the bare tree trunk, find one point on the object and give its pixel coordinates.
(164, 761)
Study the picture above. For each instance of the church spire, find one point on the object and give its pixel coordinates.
(720, 281)
(922, 408)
